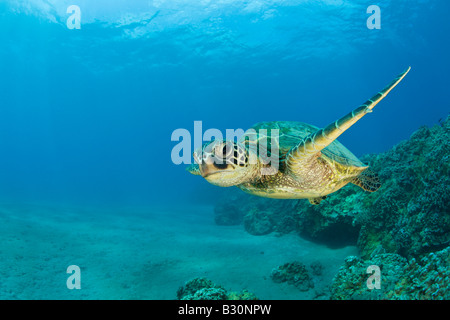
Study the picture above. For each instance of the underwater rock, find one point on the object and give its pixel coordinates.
(332, 223)
(294, 273)
(400, 279)
(351, 280)
(243, 295)
(207, 294)
(227, 215)
(205, 289)
(257, 222)
(410, 214)
(194, 285)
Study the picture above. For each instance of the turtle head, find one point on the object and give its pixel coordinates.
(223, 163)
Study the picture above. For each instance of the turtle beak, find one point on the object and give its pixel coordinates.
(207, 167)
(203, 167)
(196, 158)
(204, 171)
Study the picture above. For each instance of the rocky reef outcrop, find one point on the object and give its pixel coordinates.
(297, 274)
(205, 289)
(427, 278)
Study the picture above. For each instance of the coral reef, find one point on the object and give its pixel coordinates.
(409, 215)
(258, 222)
(205, 289)
(207, 294)
(195, 285)
(294, 273)
(426, 279)
(243, 295)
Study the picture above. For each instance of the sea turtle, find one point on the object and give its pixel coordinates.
(290, 160)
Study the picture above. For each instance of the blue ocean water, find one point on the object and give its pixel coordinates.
(86, 115)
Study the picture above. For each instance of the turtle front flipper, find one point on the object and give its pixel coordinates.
(310, 147)
(194, 169)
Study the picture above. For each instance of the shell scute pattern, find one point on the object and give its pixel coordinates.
(260, 138)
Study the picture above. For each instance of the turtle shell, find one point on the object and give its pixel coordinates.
(263, 139)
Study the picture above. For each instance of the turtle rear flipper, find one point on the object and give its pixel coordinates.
(367, 180)
(310, 146)
(316, 201)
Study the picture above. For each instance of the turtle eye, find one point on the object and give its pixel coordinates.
(223, 151)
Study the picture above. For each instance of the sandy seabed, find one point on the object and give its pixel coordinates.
(145, 253)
